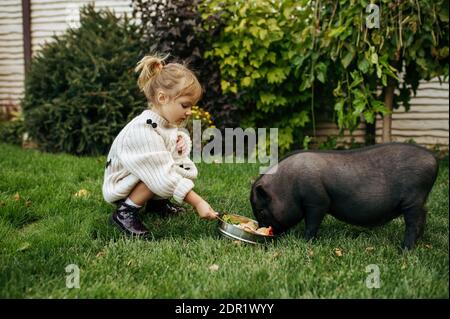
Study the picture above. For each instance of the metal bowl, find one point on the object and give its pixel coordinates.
(233, 232)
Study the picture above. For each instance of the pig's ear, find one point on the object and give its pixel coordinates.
(262, 193)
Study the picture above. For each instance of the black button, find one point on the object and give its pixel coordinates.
(154, 125)
(149, 121)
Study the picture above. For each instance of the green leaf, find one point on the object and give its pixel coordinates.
(243, 9)
(299, 119)
(339, 108)
(357, 80)
(254, 31)
(225, 85)
(378, 107)
(255, 74)
(262, 34)
(306, 141)
(275, 75)
(298, 61)
(374, 58)
(347, 59)
(261, 21)
(336, 32)
(24, 246)
(363, 65)
(247, 43)
(287, 13)
(369, 117)
(272, 57)
(379, 71)
(267, 98)
(321, 71)
(246, 81)
(306, 83)
(384, 80)
(443, 13)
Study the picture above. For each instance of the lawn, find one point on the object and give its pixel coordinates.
(45, 226)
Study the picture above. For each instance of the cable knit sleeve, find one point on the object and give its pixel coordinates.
(144, 154)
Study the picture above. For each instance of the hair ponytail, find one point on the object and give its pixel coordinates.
(173, 79)
(148, 67)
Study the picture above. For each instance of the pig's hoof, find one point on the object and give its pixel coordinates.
(408, 246)
(309, 238)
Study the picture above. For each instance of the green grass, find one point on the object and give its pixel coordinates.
(47, 228)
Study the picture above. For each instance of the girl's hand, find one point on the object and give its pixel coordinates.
(181, 145)
(205, 211)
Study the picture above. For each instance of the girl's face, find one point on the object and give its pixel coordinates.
(175, 111)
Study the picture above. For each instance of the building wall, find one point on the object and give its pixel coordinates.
(11, 53)
(426, 122)
(50, 17)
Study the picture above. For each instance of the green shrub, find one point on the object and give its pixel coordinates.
(175, 27)
(11, 132)
(81, 88)
(290, 61)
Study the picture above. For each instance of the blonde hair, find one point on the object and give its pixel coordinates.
(173, 79)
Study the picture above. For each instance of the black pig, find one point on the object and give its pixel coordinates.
(366, 187)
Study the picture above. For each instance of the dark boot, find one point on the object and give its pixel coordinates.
(163, 207)
(127, 220)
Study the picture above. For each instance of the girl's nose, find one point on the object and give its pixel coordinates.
(189, 112)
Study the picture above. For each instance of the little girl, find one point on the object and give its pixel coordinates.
(149, 159)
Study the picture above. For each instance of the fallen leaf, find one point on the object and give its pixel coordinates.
(214, 267)
(16, 197)
(237, 242)
(403, 266)
(338, 252)
(26, 245)
(28, 203)
(82, 193)
(129, 262)
(370, 248)
(100, 254)
(276, 255)
(310, 252)
(428, 246)
(2, 203)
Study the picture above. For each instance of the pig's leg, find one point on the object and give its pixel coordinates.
(414, 216)
(313, 218)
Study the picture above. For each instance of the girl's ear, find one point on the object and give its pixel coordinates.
(162, 98)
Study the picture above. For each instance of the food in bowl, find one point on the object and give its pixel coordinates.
(250, 226)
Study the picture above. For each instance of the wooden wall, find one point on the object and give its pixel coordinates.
(427, 120)
(11, 53)
(426, 123)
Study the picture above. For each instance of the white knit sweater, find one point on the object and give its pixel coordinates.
(143, 153)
